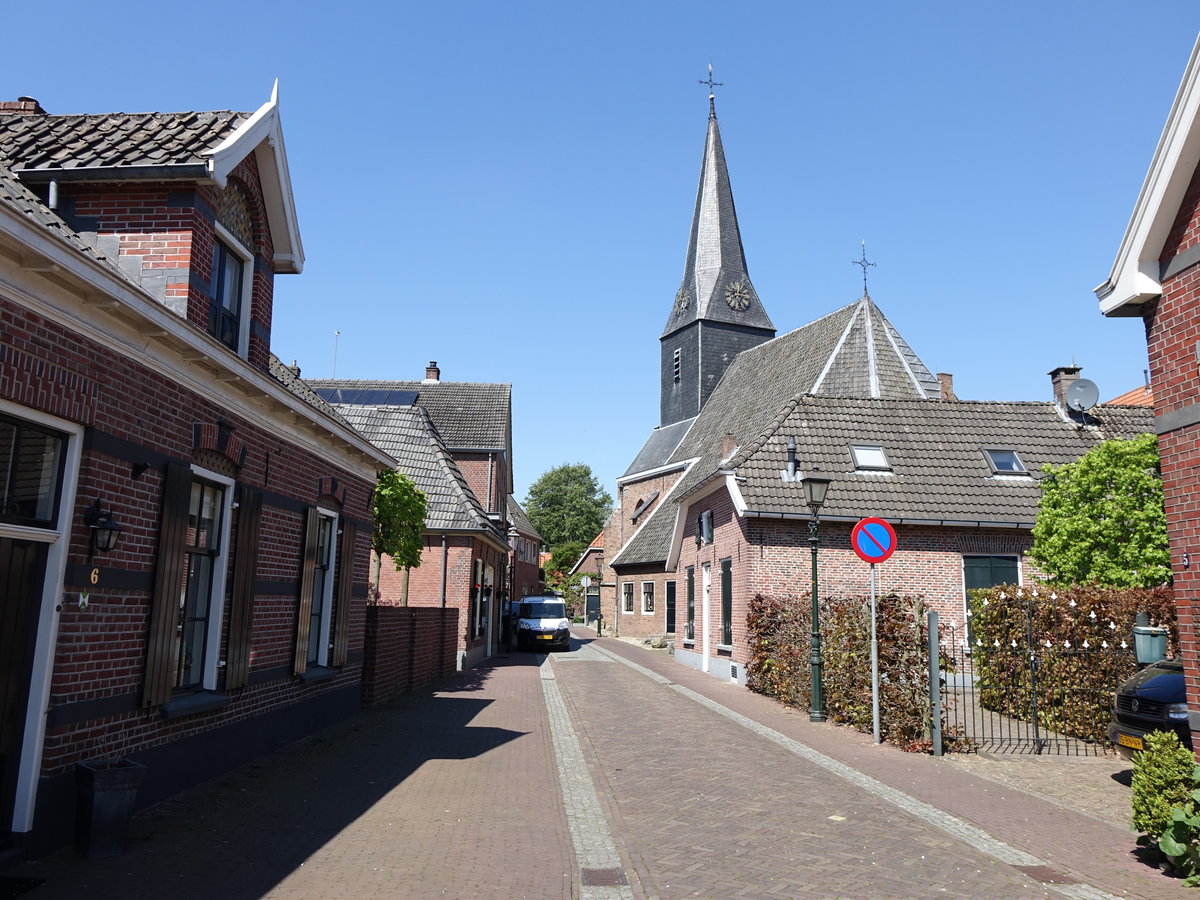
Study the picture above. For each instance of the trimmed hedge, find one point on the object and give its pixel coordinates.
(1077, 634)
(780, 665)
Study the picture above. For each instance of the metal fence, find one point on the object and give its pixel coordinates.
(1025, 697)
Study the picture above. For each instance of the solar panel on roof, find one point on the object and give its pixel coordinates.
(367, 396)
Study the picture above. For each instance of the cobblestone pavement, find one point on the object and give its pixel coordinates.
(614, 772)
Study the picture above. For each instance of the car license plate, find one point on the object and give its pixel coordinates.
(1128, 740)
(550, 637)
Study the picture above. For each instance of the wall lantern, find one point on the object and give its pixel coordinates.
(103, 529)
(815, 489)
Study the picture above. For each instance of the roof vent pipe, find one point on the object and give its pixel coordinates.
(791, 459)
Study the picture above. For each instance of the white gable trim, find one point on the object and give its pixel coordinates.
(1135, 276)
(262, 135)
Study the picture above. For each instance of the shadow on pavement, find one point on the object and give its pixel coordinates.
(240, 835)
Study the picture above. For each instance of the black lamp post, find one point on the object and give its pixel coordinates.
(815, 489)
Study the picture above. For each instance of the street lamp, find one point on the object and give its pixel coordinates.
(815, 489)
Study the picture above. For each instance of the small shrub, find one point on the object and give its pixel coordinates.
(1164, 775)
(1180, 843)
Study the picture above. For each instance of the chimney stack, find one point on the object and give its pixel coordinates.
(295, 367)
(432, 372)
(22, 106)
(728, 445)
(1061, 379)
(946, 380)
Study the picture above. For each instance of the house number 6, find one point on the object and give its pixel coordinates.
(95, 576)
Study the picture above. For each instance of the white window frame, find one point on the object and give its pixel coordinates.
(29, 762)
(626, 594)
(1021, 470)
(216, 616)
(226, 237)
(645, 585)
(870, 458)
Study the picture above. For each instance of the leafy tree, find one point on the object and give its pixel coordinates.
(564, 556)
(1100, 519)
(567, 504)
(399, 508)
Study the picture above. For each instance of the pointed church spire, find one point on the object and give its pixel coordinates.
(716, 286)
(716, 313)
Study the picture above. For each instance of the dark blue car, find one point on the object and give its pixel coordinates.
(1155, 699)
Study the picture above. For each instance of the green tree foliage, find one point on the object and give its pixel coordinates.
(563, 558)
(399, 508)
(567, 504)
(1101, 518)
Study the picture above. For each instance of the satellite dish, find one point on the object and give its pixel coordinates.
(1082, 395)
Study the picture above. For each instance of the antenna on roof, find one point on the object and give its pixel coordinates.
(336, 335)
(1082, 395)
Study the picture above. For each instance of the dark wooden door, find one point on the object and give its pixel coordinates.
(670, 607)
(22, 570)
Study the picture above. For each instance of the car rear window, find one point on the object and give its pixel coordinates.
(546, 610)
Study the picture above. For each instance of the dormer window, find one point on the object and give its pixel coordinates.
(870, 457)
(1005, 462)
(228, 311)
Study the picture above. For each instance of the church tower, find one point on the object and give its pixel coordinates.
(717, 313)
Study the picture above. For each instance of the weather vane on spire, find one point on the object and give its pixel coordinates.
(711, 85)
(863, 262)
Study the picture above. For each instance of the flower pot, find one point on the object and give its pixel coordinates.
(105, 794)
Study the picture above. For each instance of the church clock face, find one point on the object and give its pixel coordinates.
(682, 300)
(737, 295)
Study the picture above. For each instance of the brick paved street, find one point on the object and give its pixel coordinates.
(612, 763)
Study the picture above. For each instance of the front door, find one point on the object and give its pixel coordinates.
(22, 570)
(670, 607)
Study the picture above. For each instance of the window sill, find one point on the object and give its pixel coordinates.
(689, 642)
(724, 648)
(193, 704)
(317, 674)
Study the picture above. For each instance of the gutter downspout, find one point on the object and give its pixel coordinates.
(491, 479)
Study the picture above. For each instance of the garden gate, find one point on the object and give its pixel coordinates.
(1029, 694)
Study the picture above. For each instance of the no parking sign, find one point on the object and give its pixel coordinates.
(873, 540)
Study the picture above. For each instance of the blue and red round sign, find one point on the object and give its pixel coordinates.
(873, 540)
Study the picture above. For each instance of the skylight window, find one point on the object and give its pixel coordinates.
(1005, 462)
(870, 456)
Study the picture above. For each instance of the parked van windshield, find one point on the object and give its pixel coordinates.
(549, 609)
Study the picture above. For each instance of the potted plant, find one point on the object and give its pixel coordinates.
(106, 790)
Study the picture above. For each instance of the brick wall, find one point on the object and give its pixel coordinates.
(137, 415)
(773, 557)
(1172, 335)
(407, 648)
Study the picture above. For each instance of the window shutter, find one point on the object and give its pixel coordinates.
(161, 647)
(307, 571)
(241, 612)
(345, 587)
(690, 634)
(726, 601)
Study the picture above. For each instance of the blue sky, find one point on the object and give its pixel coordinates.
(507, 188)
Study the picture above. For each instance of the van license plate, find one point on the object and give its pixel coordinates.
(1128, 740)
(550, 637)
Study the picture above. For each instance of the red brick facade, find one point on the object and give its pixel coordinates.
(132, 395)
(1172, 334)
(773, 557)
(402, 649)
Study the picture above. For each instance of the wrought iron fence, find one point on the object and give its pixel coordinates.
(1031, 695)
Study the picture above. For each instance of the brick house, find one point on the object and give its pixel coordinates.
(455, 440)
(137, 387)
(1155, 276)
(712, 510)
(527, 577)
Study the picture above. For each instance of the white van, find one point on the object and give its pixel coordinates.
(542, 624)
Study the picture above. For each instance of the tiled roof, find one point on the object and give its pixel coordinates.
(16, 196)
(520, 521)
(113, 139)
(1139, 396)
(659, 447)
(468, 415)
(939, 472)
(407, 434)
(286, 376)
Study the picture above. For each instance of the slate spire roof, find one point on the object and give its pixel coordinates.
(716, 286)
